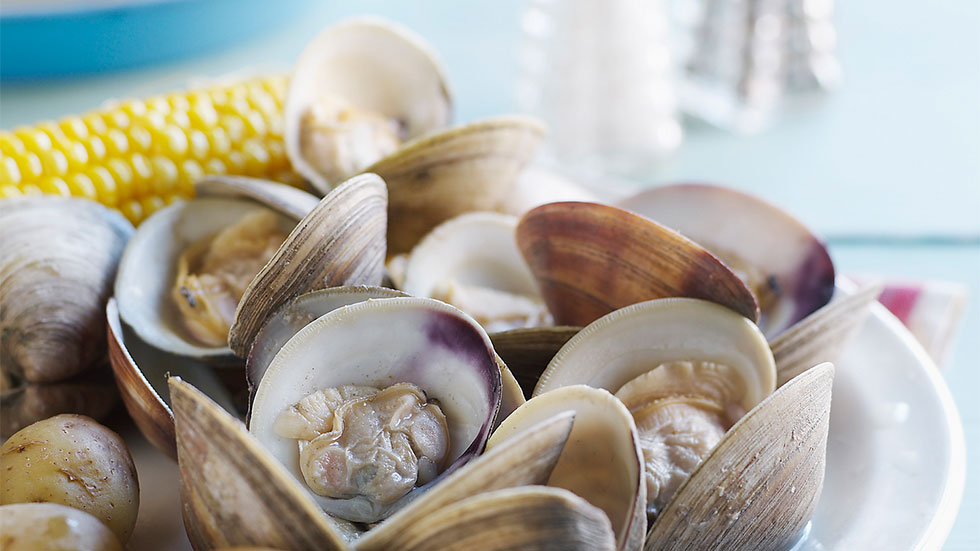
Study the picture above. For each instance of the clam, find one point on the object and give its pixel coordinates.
(472, 262)
(58, 257)
(190, 266)
(590, 259)
(439, 176)
(92, 395)
(785, 265)
(601, 460)
(356, 367)
(358, 90)
(687, 369)
(236, 493)
(698, 379)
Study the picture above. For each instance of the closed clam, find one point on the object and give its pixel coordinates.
(58, 257)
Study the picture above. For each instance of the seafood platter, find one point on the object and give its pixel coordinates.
(355, 324)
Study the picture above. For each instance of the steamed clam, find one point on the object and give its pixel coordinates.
(472, 262)
(375, 399)
(359, 90)
(785, 265)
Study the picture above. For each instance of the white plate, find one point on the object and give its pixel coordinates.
(896, 459)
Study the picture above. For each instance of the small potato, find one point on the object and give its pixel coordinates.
(52, 527)
(74, 461)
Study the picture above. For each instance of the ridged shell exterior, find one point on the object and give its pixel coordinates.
(58, 258)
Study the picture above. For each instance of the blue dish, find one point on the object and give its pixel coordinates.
(55, 39)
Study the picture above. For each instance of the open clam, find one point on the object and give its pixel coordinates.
(785, 265)
(361, 364)
(235, 493)
(189, 267)
(360, 89)
(697, 379)
(472, 262)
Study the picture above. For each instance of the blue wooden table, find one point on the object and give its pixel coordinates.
(887, 168)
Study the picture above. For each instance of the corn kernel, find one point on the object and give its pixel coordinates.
(158, 104)
(180, 119)
(190, 172)
(235, 161)
(9, 172)
(30, 166)
(174, 143)
(96, 125)
(171, 199)
(76, 154)
(214, 165)
(116, 143)
(234, 127)
(178, 102)
(74, 128)
(198, 144)
(122, 174)
(34, 139)
(117, 118)
(55, 186)
(31, 189)
(95, 148)
(54, 162)
(81, 185)
(134, 108)
(203, 114)
(8, 191)
(254, 124)
(133, 211)
(219, 142)
(11, 144)
(256, 157)
(165, 175)
(105, 186)
(151, 204)
(140, 139)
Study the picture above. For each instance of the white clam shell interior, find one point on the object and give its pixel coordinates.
(476, 248)
(149, 266)
(379, 343)
(376, 65)
(631, 341)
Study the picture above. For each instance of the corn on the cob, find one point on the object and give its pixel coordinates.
(138, 156)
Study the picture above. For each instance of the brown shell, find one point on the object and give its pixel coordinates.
(590, 259)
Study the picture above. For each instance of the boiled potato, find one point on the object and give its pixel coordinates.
(74, 461)
(52, 527)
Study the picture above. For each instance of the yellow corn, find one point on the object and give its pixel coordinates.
(139, 156)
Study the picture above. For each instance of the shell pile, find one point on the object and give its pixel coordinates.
(569, 376)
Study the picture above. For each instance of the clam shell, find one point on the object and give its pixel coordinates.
(762, 482)
(633, 340)
(340, 242)
(287, 200)
(590, 259)
(289, 318)
(141, 373)
(58, 257)
(379, 343)
(821, 336)
(529, 517)
(233, 492)
(526, 459)
(761, 235)
(528, 351)
(377, 65)
(601, 461)
(442, 175)
(148, 269)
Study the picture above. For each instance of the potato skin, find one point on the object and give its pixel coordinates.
(72, 460)
(52, 527)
